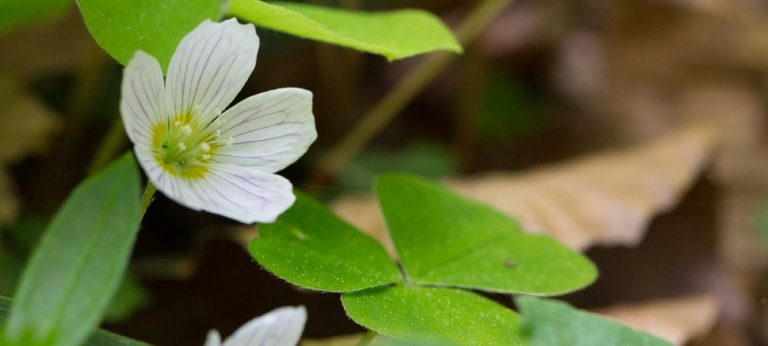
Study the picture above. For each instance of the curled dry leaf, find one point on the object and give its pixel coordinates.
(677, 320)
(605, 199)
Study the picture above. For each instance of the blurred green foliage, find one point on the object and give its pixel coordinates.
(14, 13)
(553, 323)
(510, 108)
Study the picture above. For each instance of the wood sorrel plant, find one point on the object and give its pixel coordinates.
(222, 161)
(445, 245)
(80, 260)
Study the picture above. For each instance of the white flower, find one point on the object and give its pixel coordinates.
(201, 157)
(281, 327)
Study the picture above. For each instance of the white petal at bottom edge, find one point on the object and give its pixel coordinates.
(213, 338)
(280, 327)
(245, 194)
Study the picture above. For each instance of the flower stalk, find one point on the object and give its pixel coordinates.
(390, 106)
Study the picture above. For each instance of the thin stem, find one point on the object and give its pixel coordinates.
(367, 338)
(146, 198)
(390, 106)
(109, 147)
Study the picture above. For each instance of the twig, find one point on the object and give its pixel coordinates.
(390, 106)
(109, 147)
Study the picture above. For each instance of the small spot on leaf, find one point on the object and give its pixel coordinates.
(298, 233)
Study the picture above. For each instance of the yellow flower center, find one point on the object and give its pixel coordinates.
(184, 146)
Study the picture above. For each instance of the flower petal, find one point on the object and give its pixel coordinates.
(211, 65)
(143, 102)
(241, 193)
(270, 130)
(281, 327)
(213, 338)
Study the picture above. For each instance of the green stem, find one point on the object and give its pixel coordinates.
(109, 147)
(146, 197)
(391, 105)
(367, 338)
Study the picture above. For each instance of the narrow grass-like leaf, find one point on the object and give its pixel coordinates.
(394, 34)
(79, 262)
(98, 338)
(445, 240)
(130, 296)
(433, 316)
(311, 247)
(553, 323)
(123, 26)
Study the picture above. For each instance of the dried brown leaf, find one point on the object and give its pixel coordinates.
(677, 320)
(27, 124)
(605, 199)
(45, 49)
(27, 128)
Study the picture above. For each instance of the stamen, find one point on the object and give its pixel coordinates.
(177, 123)
(205, 147)
(182, 146)
(218, 133)
(206, 156)
(229, 141)
(186, 129)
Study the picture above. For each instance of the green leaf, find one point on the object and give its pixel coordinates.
(79, 262)
(98, 338)
(21, 240)
(445, 240)
(122, 27)
(553, 323)
(394, 34)
(441, 315)
(15, 13)
(309, 246)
